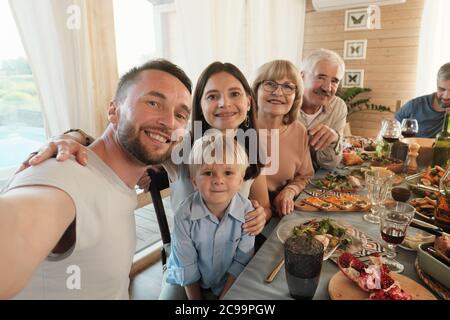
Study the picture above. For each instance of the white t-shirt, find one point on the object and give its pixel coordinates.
(98, 265)
(309, 118)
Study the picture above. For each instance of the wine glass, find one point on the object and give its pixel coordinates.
(378, 183)
(410, 128)
(395, 219)
(390, 131)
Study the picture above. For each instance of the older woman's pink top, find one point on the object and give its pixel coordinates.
(294, 166)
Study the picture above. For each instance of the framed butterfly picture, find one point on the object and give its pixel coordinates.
(356, 19)
(353, 78)
(355, 49)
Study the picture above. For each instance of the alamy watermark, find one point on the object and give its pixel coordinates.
(256, 140)
(73, 21)
(73, 281)
(373, 17)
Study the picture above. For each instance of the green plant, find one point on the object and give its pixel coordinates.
(353, 104)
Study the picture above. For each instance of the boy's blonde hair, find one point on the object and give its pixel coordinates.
(217, 148)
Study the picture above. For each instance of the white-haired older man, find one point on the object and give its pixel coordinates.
(323, 114)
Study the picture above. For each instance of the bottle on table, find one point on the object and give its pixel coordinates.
(442, 211)
(441, 148)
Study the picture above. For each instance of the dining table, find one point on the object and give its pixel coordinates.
(251, 284)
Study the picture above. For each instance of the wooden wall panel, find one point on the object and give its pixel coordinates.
(392, 51)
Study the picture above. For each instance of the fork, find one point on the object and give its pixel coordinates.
(329, 254)
(315, 193)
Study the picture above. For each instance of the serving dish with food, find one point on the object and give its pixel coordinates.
(330, 203)
(426, 182)
(338, 182)
(434, 259)
(337, 236)
(394, 165)
(424, 206)
(357, 280)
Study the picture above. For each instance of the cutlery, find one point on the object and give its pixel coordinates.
(314, 193)
(419, 224)
(329, 254)
(275, 271)
(421, 216)
(438, 255)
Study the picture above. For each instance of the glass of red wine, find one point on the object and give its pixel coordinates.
(390, 131)
(410, 128)
(395, 219)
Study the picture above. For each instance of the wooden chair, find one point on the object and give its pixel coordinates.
(160, 181)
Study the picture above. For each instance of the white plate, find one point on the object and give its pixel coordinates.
(284, 232)
(411, 243)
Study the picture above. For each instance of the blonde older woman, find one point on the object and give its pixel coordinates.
(279, 91)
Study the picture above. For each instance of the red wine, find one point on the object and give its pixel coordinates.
(393, 235)
(408, 134)
(390, 139)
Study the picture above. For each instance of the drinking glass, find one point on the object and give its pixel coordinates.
(303, 264)
(410, 128)
(390, 131)
(395, 219)
(378, 183)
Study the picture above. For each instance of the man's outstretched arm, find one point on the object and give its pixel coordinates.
(32, 221)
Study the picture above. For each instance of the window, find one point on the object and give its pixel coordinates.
(21, 123)
(135, 44)
(135, 36)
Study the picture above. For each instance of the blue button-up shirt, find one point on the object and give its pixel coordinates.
(206, 249)
(421, 108)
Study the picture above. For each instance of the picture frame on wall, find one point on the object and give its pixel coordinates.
(353, 78)
(355, 49)
(356, 19)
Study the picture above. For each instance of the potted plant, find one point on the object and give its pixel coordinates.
(349, 95)
(355, 103)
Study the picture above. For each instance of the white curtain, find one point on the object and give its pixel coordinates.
(275, 31)
(60, 59)
(210, 30)
(434, 45)
(247, 33)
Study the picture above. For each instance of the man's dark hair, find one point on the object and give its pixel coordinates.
(159, 64)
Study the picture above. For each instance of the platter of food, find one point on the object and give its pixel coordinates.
(338, 182)
(395, 165)
(358, 142)
(343, 203)
(426, 182)
(414, 237)
(327, 231)
(424, 206)
(357, 280)
(332, 232)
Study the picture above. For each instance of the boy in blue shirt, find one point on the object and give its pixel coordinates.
(209, 248)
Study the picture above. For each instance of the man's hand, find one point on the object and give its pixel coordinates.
(61, 148)
(321, 136)
(284, 201)
(144, 182)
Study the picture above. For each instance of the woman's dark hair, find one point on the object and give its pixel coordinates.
(197, 115)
